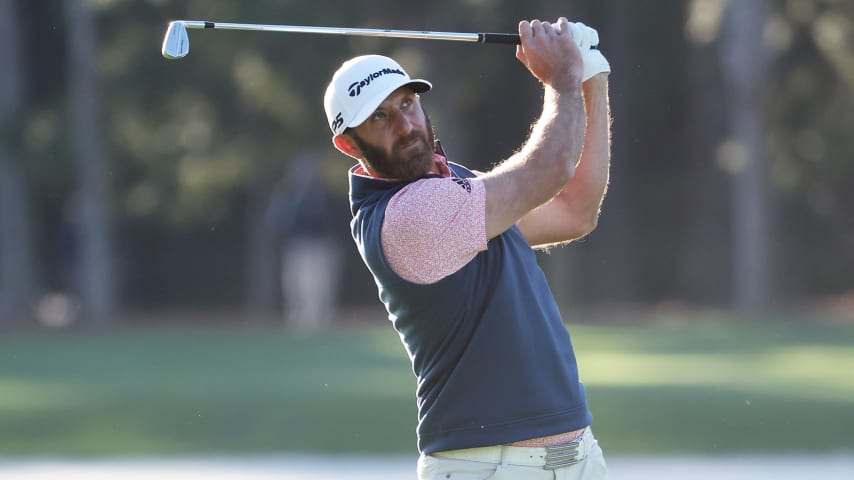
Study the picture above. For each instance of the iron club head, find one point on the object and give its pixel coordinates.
(176, 43)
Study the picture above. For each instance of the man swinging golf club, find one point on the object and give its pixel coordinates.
(451, 251)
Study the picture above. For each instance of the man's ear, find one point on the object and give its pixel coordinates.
(347, 146)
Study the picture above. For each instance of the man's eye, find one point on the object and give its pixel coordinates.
(378, 116)
(406, 103)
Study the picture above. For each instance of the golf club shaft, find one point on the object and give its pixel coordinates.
(506, 38)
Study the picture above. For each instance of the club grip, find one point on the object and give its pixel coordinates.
(506, 38)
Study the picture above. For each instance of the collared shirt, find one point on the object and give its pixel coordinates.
(490, 324)
(434, 226)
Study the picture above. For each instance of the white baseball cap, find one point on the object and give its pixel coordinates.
(360, 85)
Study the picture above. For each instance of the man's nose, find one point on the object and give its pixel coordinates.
(403, 124)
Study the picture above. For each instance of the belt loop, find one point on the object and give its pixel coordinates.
(504, 456)
(586, 439)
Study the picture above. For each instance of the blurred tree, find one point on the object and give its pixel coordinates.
(706, 276)
(612, 264)
(810, 144)
(192, 148)
(745, 61)
(91, 205)
(16, 268)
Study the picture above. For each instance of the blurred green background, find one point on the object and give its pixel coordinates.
(140, 292)
(709, 387)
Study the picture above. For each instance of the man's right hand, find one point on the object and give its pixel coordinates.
(551, 53)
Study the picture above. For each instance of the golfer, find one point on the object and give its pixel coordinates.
(452, 253)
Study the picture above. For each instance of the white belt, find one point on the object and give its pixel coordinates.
(548, 458)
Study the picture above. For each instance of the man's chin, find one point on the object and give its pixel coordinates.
(405, 167)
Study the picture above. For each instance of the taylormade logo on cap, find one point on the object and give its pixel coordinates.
(356, 88)
(359, 87)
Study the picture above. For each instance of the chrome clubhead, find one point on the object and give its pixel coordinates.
(176, 43)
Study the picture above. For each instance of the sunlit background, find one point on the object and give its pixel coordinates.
(141, 264)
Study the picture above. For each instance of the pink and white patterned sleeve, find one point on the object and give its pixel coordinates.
(434, 227)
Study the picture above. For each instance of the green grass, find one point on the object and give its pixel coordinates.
(676, 387)
(720, 388)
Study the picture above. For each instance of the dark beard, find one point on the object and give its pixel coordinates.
(394, 165)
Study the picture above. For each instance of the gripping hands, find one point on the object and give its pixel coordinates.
(587, 40)
(544, 51)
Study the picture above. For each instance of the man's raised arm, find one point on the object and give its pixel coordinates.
(546, 162)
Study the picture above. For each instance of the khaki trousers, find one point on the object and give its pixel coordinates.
(513, 463)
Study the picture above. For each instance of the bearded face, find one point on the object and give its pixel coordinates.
(408, 158)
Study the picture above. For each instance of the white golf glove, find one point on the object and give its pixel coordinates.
(586, 38)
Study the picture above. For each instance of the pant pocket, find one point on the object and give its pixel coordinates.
(440, 468)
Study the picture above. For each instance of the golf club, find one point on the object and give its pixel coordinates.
(176, 43)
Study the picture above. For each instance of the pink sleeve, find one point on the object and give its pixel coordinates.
(433, 227)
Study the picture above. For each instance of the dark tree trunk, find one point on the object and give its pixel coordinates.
(94, 278)
(744, 62)
(16, 268)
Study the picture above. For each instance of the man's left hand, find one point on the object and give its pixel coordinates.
(587, 39)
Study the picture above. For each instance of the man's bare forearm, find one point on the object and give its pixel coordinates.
(536, 173)
(554, 144)
(584, 193)
(546, 162)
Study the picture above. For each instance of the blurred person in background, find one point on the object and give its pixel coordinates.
(300, 213)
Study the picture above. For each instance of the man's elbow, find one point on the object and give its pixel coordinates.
(585, 226)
